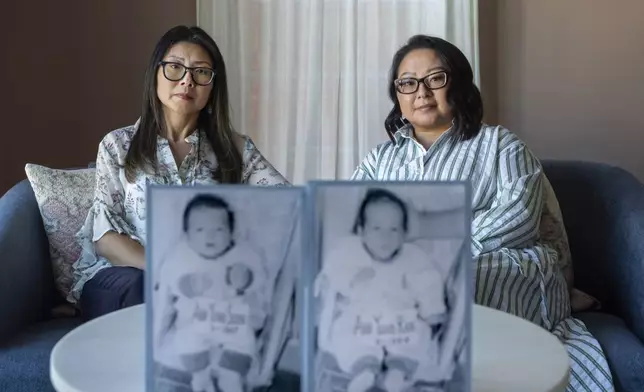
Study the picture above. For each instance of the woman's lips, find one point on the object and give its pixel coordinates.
(184, 96)
(426, 108)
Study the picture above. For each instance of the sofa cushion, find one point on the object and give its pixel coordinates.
(553, 233)
(24, 360)
(64, 198)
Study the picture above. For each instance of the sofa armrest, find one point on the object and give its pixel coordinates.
(624, 352)
(603, 211)
(26, 278)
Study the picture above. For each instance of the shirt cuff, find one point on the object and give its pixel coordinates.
(106, 221)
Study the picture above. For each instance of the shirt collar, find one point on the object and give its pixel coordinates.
(404, 132)
(407, 132)
(194, 137)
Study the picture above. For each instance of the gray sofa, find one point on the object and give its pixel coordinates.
(603, 208)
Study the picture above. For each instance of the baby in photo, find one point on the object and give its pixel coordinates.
(215, 299)
(380, 299)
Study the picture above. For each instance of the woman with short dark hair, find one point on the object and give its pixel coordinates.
(436, 134)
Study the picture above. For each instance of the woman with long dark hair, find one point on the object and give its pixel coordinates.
(184, 137)
(436, 132)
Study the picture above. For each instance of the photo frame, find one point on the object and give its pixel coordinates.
(389, 328)
(221, 267)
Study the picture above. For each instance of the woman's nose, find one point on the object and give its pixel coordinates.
(187, 79)
(424, 91)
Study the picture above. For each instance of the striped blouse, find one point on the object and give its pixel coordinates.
(516, 271)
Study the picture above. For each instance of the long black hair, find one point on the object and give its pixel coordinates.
(214, 119)
(462, 94)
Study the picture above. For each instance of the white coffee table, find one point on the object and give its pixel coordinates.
(509, 354)
(512, 354)
(104, 354)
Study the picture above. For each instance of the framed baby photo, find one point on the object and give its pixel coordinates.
(220, 285)
(386, 296)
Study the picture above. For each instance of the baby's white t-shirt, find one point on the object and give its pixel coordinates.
(188, 276)
(351, 279)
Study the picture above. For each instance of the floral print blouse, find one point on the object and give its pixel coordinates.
(119, 206)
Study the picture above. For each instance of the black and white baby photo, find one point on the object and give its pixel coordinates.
(387, 289)
(215, 264)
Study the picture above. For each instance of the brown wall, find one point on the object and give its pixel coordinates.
(71, 72)
(567, 76)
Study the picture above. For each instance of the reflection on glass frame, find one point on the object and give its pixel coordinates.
(385, 289)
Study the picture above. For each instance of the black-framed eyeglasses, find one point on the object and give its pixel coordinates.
(433, 81)
(174, 72)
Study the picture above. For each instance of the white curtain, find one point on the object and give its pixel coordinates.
(308, 78)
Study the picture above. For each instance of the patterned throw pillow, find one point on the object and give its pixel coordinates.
(64, 198)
